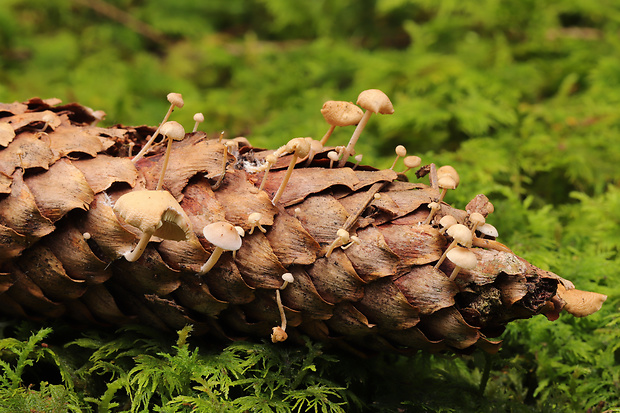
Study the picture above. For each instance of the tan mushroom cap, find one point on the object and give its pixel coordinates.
(375, 101)
(341, 113)
(156, 212)
(446, 182)
(175, 99)
(581, 303)
(448, 170)
(447, 221)
(223, 235)
(173, 129)
(463, 258)
(461, 234)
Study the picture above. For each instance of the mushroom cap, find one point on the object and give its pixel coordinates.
(447, 221)
(477, 218)
(488, 230)
(223, 235)
(446, 182)
(463, 257)
(299, 146)
(400, 151)
(199, 117)
(375, 101)
(412, 161)
(341, 113)
(581, 303)
(333, 155)
(254, 217)
(176, 99)
(448, 170)
(461, 234)
(156, 212)
(173, 130)
(288, 277)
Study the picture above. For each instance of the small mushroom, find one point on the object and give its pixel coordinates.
(225, 238)
(254, 221)
(174, 132)
(270, 160)
(434, 206)
(278, 333)
(447, 178)
(412, 161)
(342, 237)
(401, 152)
(358, 159)
(315, 147)
(198, 118)
(154, 213)
(460, 235)
(374, 101)
(299, 147)
(176, 100)
(446, 222)
(488, 230)
(333, 157)
(339, 113)
(462, 258)
(476, 220)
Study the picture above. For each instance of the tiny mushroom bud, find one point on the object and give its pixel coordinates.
(154, 213)
(174, 132)
(279, 333)
(315, 147)
(434, 206)
(358, 159)
(198, 117)
(270, 160)
(447, 178)
(401, 152)
(354, 240)
(462, 258)
(374, 101)
(175, 99)
(460, 235)
(300, 147)
(333, 157)
(342, 237)
(225, 238)
(339, 113)
(412, 162)
(254, 221)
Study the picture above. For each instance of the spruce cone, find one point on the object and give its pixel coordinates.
(62, 246)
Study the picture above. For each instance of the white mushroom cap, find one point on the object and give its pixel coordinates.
(199, 117)
(176, 99)
(223, 235)
(288, 277)
(255, 217)
(173, 130)
(156, 212)
(463, 258)
(477, 218)
(488, 230)
(375, 101)
(340, 113)
(400, 151)
(461, 234)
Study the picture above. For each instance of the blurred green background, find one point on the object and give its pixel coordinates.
(521, 97)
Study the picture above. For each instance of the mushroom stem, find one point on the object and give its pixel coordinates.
(455, 272)
(356, 135)
(281, 308)
(289, 172)
(207, 266)
(160, 183)
(327, 134)
(133, 255)
(149, 143)
(445, 253)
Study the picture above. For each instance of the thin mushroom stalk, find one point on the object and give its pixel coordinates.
(300, 147)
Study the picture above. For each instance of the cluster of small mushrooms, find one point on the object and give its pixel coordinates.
(157, 213)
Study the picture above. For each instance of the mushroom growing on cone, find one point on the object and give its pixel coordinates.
(383, 293)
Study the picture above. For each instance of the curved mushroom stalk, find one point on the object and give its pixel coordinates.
(300, 147)
(136, 253)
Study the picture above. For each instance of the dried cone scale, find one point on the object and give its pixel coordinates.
(382, 293)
